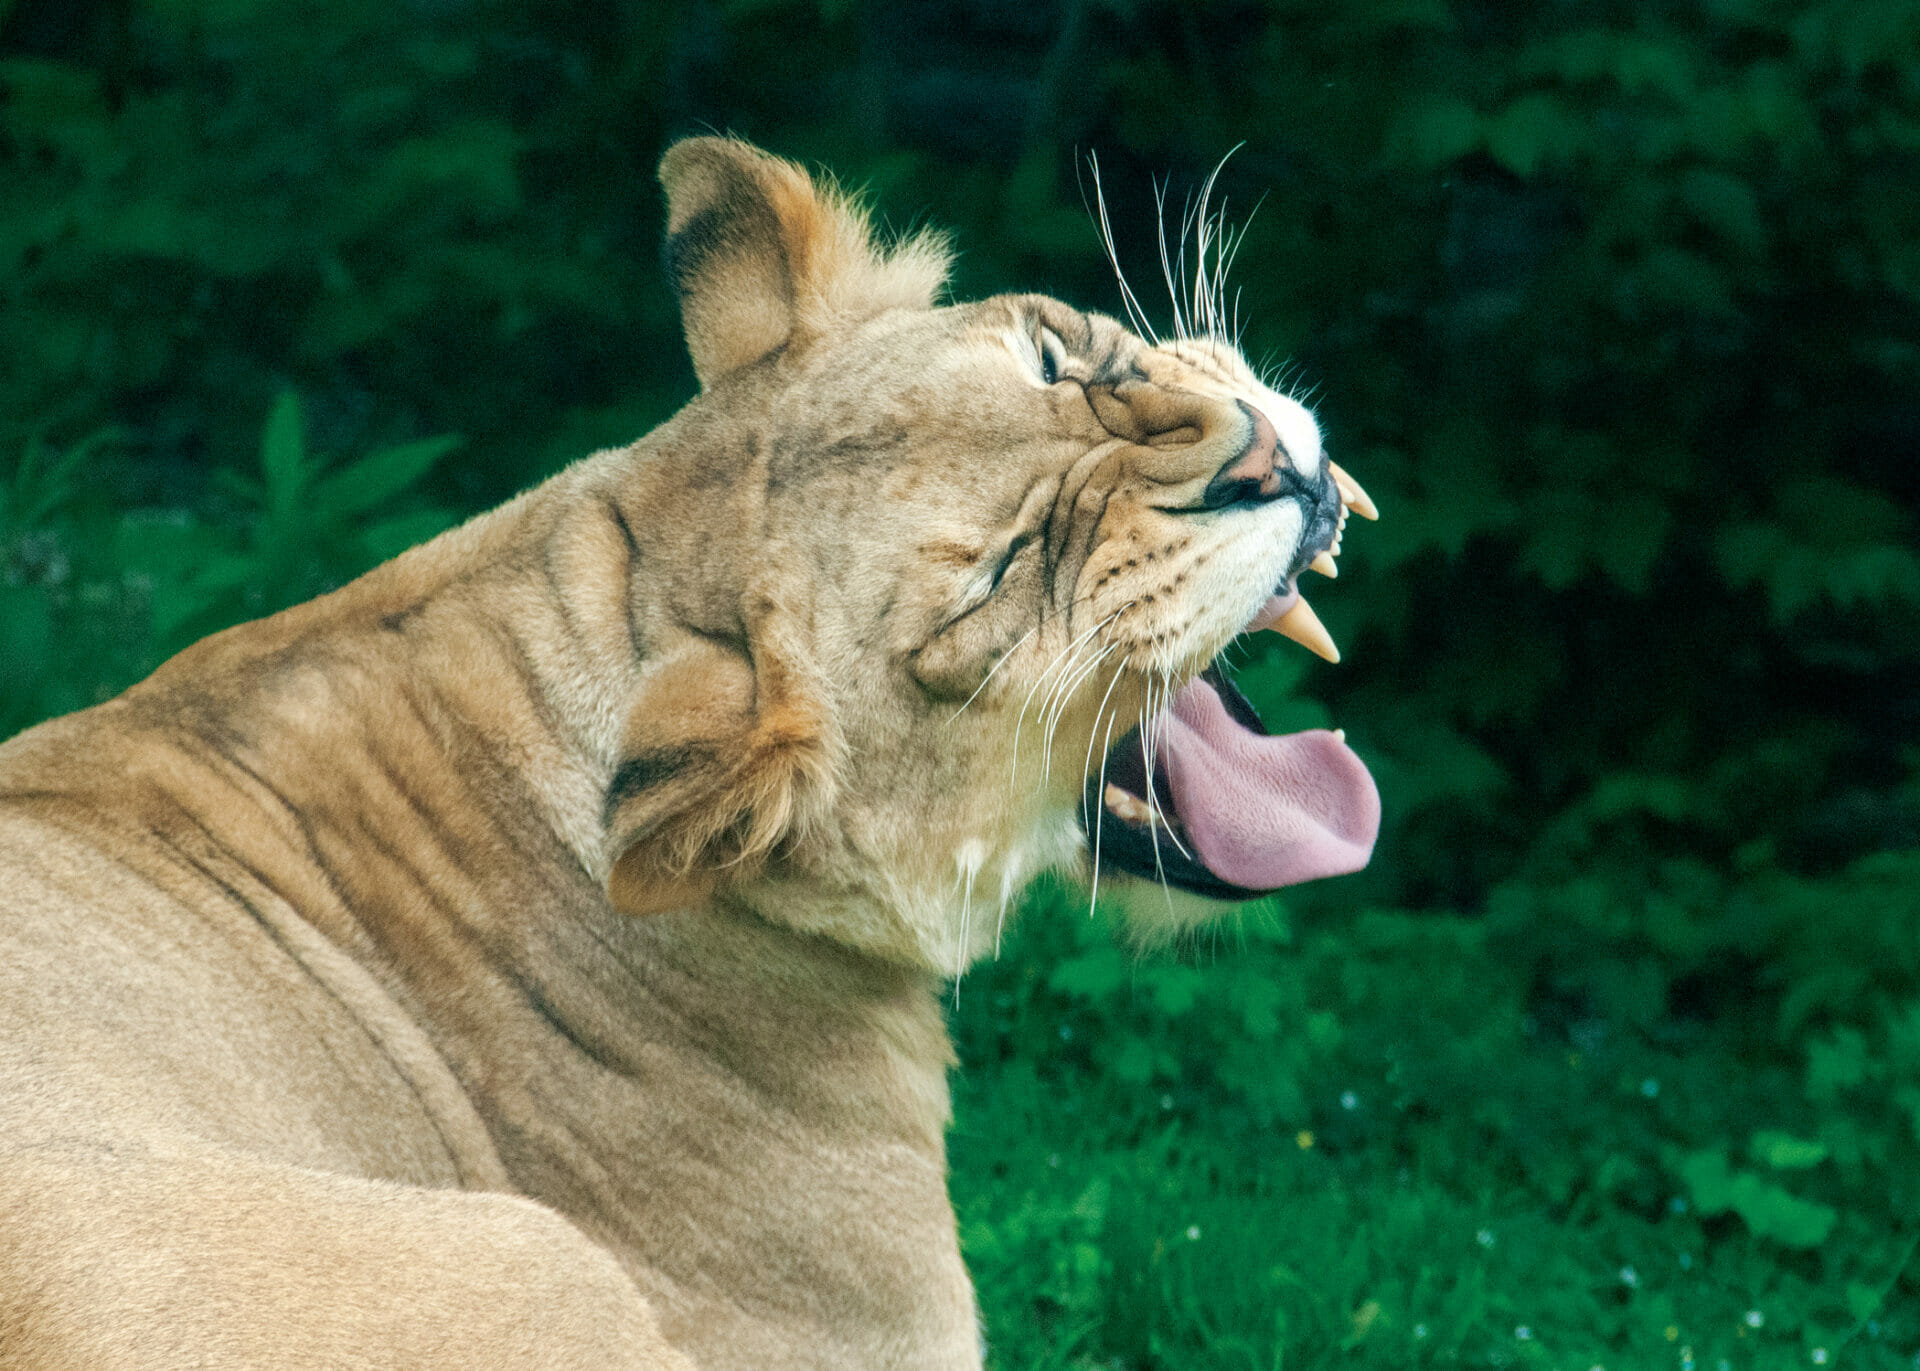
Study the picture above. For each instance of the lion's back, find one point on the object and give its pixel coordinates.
(137, 1015)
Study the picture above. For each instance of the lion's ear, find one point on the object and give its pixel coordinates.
(764, 257)
(727, 754)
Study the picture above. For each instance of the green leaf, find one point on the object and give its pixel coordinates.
(473, 164)
(1725, 204)
(373, 480)
(1837, 1063)
(1432, 134)
(391, 537)
(1134, 1061)
(1176, 988)
(283, 453)
(1863, 1301)
(1533, 130)
(1093, 975)
(1768, 1210)
(26, 632)
(1784, 1152)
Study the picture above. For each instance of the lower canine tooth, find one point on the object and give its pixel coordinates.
(1303, 626)
(1126, 805)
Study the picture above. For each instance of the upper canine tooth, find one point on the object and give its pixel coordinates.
(1352, 494)
(1303, 626)
(1325, 565)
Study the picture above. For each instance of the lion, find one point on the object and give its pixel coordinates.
(530, 954)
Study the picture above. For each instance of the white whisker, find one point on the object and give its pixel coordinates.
(1093, 898)
(1063, 655)
(1135, 312)
(1149, 748)
(1065, 698)
(966, 930)
(990, 672)
(1087, 765)
(1152, 721)
(1166, 262)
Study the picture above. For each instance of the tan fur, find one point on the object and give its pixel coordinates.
(528, 955)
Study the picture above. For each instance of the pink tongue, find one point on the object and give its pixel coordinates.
(1265, 812)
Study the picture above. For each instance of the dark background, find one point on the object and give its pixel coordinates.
(1614, 307)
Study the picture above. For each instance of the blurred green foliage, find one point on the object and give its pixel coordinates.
(1613, 305)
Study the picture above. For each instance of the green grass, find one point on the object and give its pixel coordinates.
(1429, 1175)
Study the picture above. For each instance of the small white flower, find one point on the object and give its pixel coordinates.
(1650, 1087)
(1166, 1101)
(1686, 1261)
(1755, 1318)
(1419, 1330)
(1678, 1204)
(1629, 1277)
(1349, 1100)
(1523, 1333)
(1819, 1355)
(1193, 1233)
(1484, 1237)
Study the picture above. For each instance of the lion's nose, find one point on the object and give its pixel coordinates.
(1263, 471)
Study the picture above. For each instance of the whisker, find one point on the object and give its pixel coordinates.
(1210, 229)
(1093, 899)
(1166, 264)
(1061, 656)
(1135, 312)
(966, 929)
(1064, 697)
(990, 672)
(1087, 765)
(1150, 734)
(1153, 803)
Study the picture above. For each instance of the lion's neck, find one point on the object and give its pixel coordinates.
(417, 767)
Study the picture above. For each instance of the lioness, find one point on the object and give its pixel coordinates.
(529, 954)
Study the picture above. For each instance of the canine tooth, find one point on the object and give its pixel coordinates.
(1303, 626)
(1352, 494)
(1340, 733)
(1325, 565)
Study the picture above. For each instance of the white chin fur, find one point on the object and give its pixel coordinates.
(1158, 914)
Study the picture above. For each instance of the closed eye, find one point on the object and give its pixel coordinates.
(1053, 356)
(982, 586)
(1014, 549)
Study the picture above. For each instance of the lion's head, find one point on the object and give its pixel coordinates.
(931, 595)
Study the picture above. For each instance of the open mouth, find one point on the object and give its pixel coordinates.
(1205, 798)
